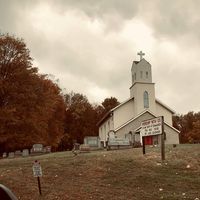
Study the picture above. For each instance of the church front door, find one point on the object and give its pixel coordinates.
(148, 140)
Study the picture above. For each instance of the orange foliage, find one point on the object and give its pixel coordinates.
(32, 110)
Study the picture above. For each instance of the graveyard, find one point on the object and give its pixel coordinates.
(116, 174)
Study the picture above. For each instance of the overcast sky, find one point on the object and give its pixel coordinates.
(89, 45)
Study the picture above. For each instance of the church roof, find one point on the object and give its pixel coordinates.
(141, 83)
(131, 120)
(136, 62)
(165, 106)
(104, 118)
(121, 104)
(111, 111)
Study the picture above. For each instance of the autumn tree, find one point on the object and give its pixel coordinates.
(30, 104)
(80, 116)
(193, 135)
(189, 126)
(109, 103)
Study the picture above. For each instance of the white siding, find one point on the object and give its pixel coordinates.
(161, 111)
(105, 128)
(132, 126)
(172, 137)
(123, 113)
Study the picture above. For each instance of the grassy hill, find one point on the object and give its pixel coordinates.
(117, 174)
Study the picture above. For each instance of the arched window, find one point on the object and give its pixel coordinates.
(147, 74)
(146, 99)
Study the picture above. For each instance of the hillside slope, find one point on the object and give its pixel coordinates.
(117, 175)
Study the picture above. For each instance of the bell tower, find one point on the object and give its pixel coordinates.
(142, 89)
(141, 70)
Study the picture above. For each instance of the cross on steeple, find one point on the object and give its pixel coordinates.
(140, 54)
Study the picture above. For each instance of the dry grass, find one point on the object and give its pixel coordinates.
(119, 174)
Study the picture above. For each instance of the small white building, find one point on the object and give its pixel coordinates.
(125, 119)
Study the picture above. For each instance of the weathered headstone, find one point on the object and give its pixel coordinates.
(11, 155)
(25, 152)
(111, 135)
(4, 155)
(18, 153)
(84, 148)
(37, 148)
(92, 142)
(44, 150)
(114, 141)
(48, 149)
(119, 142)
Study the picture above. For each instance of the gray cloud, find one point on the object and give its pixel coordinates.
(101, 8)
(90, 45)
(175, 19)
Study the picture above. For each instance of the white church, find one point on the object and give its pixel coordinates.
(125, 119)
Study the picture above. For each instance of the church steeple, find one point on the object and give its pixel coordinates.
(141, 70)
(142, 89)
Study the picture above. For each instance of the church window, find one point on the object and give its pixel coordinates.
(108, 125)
(141, 74)
(135, 76)
(146, 74)
(146, 99)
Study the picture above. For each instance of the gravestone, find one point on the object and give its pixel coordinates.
(111, 135)
(37, 148)
(119, 142)
(6, 194)
(92, 141)
(25, 152)
(114, 141)
(48, 149)
(4, 155)
(44, 150)
(18, 153)
(84, 148)
(11, 155)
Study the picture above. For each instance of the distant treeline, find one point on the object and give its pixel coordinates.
(189, 126)
(33, 108)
